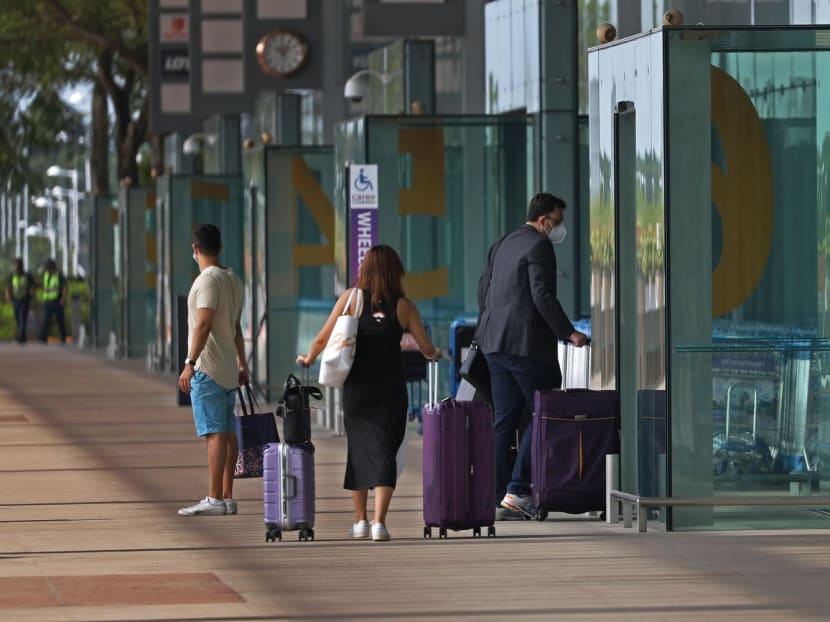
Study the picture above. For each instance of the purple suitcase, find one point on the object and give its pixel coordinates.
(573, 430)
(288, 490)
(459, 469)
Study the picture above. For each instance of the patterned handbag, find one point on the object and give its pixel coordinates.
(254, 430)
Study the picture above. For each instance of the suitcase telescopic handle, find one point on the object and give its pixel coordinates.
(568, 352)
(432, 382)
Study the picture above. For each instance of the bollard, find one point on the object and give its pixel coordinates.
(339, 429)
(612, 475)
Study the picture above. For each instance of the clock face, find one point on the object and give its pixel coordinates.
(281, 53)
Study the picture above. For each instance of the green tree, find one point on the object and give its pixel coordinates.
(50, 45)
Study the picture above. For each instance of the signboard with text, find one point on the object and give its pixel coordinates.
(363, 213)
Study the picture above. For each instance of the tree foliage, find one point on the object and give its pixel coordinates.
(49, 45)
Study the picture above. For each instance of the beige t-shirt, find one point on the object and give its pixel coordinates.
(221, 290)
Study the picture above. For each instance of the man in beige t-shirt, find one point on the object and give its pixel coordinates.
(214, 367)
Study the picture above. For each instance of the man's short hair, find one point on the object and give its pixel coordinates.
(542, 204)
(208, 239)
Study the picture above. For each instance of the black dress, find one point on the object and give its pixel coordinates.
(375, 399)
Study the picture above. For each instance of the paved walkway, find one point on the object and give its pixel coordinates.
(95, 459)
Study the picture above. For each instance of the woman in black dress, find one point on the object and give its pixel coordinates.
(374, 394)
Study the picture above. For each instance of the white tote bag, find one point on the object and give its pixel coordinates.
(338, 356)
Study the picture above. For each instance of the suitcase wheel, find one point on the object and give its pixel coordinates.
(491, 531)
(427, 532)
(272, 535)
(476, 532)
(306, 534)
(442, 533)
(541, 515)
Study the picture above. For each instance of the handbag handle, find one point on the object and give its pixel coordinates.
(357, 294)
(306, 390)
(252, 402)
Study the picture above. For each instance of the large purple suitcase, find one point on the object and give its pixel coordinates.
(288, 490)
(459, 469)
(573, 430)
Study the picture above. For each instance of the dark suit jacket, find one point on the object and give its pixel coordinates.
(519, 311)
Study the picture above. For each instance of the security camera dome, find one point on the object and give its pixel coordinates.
(191, 145)
(356, 88)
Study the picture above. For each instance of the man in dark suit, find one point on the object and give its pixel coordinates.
(520, 321)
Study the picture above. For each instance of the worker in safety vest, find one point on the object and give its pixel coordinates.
(19, 290)
(53, 297)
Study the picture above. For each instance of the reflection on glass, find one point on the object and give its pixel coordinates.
(737, 209)
(448, 187)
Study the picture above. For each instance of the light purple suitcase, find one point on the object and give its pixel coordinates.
(288, 490)
(459, 468)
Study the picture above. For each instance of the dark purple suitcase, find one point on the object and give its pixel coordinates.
(288, 490)
(573, 430)
(459, 468)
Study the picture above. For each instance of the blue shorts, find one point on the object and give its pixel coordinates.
(212, 405)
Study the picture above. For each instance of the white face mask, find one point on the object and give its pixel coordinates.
(194, 259)
(557, 234)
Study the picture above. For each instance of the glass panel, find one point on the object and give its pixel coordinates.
(748, 274)
(448, 188)
(386, 79)
(186, 201)
(590, 14)
(292, 257)
(349, 147)
(253, 167)
(584, 220)
(769, 421)
(150, 266)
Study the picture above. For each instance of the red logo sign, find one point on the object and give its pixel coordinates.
(173, 27)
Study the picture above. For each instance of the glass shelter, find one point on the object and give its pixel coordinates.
(182, 202)
(448, 187)
(709, 198)
(137, 291)
(288, 255)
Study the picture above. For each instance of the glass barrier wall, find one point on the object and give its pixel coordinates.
(134, 203)
(755, 371)
(182, 202)
(627, 225)
(448, 188)
(289, 255)
(709, 296)
(104, 313)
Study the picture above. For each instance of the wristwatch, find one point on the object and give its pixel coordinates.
(189, 362)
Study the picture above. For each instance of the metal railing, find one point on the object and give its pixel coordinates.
(629, 502)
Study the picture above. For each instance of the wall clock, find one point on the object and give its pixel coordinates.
(282, 53)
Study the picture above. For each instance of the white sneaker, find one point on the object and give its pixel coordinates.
(360, 530)
(205, 508)
(230, 506)
(379, 532)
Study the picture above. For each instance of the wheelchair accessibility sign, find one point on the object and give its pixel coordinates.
(363, 213)
(363, 186)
